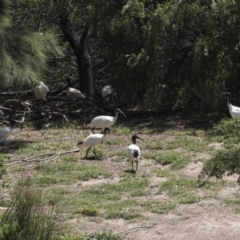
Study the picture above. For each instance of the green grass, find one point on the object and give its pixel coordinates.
(62, 180)
(163, 173)
(180, 189)
(114, 141)
(110, 200)
(233, 203)
(54, 195)
(169, 157)
(122, 131)
(69, 158)
(153, 145)
(160, 206)
(67, 173)
(188, 199)
(190, 132)
(178, 186)
(187, 143)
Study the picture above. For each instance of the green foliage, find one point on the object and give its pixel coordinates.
(224, 162)
(27, 218)
(226, 131)
(24, 54)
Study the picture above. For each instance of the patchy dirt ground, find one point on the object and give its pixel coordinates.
(209, 218)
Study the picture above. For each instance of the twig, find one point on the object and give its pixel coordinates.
(54, 158)
(32, 159)
(131, 229)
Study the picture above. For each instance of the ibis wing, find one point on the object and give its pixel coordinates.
(93, 139)
(133, 151)
(4, 133)
(101, 121)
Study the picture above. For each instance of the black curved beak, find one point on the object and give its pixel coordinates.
(140, 138)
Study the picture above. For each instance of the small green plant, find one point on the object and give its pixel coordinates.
(226, 131)
(224, 162)
(27, 218)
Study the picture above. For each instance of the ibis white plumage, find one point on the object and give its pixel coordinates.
(134, 151)
(92, 140)
(109, 94)
(73, 92)
(41, 91)
(234, 111)
(6, 131)
(104, 121)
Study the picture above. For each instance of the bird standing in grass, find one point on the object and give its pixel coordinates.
(93, 140)
(6, 131)
(108, 94)
(134, 151)
(41, 91)
(104, 121)
(234, 111)
(73, 92)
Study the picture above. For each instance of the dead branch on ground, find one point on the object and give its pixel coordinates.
(40, 157)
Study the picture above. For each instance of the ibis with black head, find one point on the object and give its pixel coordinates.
(134, 153)
(234, 110)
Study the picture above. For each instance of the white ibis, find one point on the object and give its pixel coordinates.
(108, 94)
(93, 140)
(104, 121)
(134, 151)
(41, 91)
(234, 111)
(73, 92)
(6, 131)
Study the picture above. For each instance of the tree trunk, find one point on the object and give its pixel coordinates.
(81, 53)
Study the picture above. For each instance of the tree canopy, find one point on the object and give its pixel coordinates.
(157, 54)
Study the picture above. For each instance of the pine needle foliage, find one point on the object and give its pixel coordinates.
(23, 53)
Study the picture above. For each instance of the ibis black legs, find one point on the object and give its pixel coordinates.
(136, 166)
(87, 152)
(94, 151)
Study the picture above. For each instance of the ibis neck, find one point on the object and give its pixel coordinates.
(228, 100)
(116, 116)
